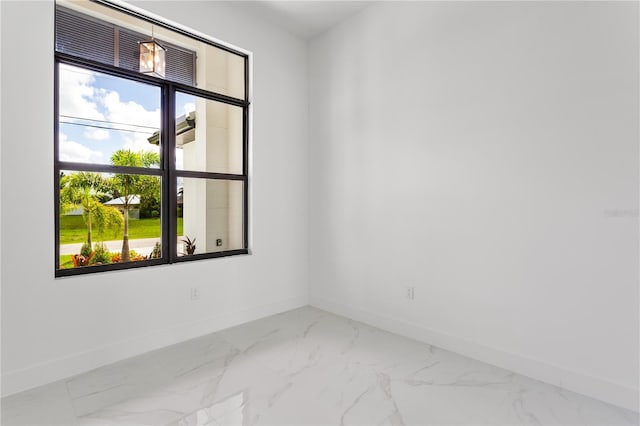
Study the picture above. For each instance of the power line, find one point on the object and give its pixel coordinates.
(104, 127)
(109, 122)
(71, 68)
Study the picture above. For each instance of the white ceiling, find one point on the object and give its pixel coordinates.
(303, 18)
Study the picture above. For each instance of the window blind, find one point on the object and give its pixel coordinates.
(87, 37)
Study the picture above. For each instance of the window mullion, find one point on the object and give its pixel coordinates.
(108, 168)
(170, 230)
(245, 165)
(56, 167)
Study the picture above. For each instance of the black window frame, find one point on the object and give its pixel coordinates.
(167, 171)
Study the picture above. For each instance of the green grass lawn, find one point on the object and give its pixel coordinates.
(74, 230)
(65, 261)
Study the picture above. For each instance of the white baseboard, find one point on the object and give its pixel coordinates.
(51, 371)
(585, 384)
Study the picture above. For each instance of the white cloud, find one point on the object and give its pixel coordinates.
(77, 93)
(96, 134)
(79, 98)
(139, 143)
(135, 114)
(73, 151)
(188, 107)
(129, 112)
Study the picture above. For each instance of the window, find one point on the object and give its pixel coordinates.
(149, 169)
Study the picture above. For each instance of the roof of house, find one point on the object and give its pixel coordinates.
(185, 133)
(135, 199)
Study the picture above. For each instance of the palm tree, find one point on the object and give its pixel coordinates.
(128, 186)
(85, 190)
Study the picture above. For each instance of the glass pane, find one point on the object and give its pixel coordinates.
(100, 114)
(208, 135)
(102, 215)
(220, 71)
(187, 60)
(210, 215)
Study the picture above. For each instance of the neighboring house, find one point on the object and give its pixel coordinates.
(77, 212)
(185, 130)
(134, 210)
(211, 145)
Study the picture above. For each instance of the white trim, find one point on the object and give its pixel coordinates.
(576, 381)
(62, 368)
(177, 25)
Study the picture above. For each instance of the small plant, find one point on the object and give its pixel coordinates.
(156, 252)
(85, 250)
(102, 255)
(189, 245)
(80, 260)
(133, 257)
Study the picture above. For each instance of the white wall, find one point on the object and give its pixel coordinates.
(487, 154)
(52, 328)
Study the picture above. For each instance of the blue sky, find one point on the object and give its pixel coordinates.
(100, 114)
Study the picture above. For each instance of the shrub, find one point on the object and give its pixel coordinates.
(102, 255)
(156, 252)
(85, 250)
(133, 257)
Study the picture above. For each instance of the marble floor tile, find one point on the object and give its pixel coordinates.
(304, 367)
(46, 405)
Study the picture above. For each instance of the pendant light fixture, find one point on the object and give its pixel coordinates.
(152, 57)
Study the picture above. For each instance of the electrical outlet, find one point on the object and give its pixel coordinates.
(195, 293)
(409, 292)
(219, 242)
